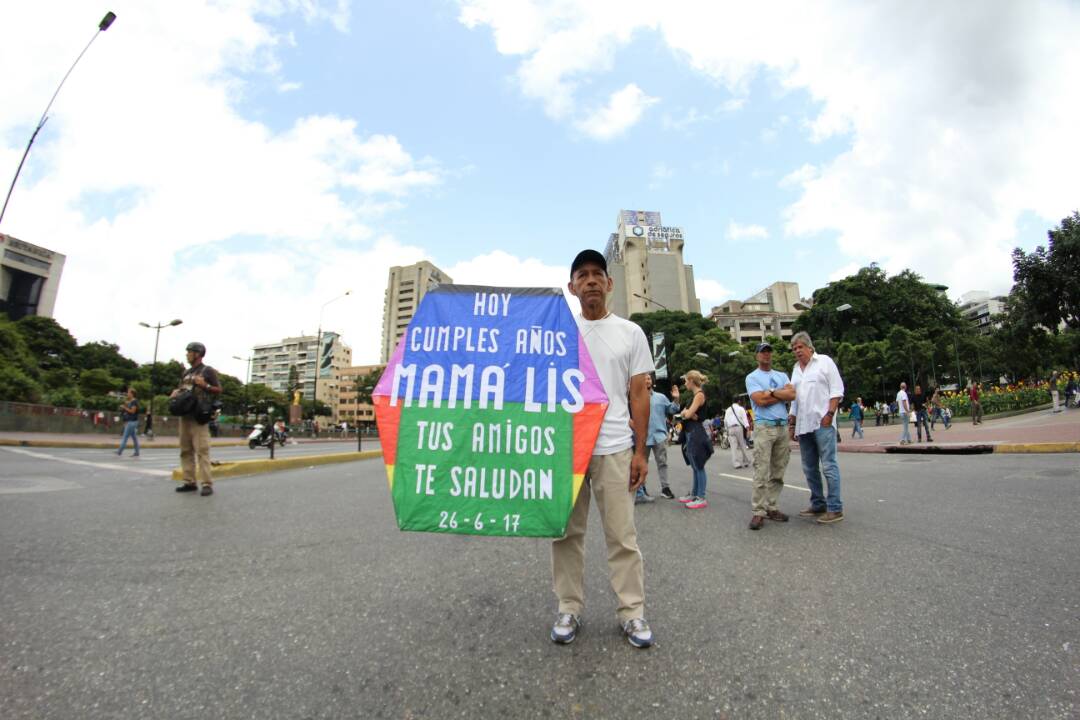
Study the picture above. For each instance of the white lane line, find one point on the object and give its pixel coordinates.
(100, 465)
(740, 477)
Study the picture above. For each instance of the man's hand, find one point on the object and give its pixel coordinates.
(639, 468)
(826, 420)
(674, 392)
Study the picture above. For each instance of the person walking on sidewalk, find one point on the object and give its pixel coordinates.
(129, 413)
(903, 407)
(922, 420)
(735, 424)
(938, 410)
(856, 413)
(203, 382)
(618, 464)
(1055, 396)
(976, 406)
(818, 389)
(770, 391)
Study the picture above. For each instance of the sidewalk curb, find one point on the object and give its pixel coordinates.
(255, 467)
(966, 448)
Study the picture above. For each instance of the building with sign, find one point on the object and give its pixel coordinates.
(769, 312)
(645, 259)
(405, 288)
(272, 364)
(29, 278)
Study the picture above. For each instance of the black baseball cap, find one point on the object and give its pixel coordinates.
(588, 256)
(763, 347)
(197, 347)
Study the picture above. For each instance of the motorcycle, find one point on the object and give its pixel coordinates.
(261, 436)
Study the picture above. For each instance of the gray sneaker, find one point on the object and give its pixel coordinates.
(638, 633)
(565, 629)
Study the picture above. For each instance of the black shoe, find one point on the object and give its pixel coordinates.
(666, 493)
(187, 487)
(206, 490)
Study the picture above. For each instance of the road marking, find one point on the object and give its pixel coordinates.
(740, 477)
(39, 484)
(100, 465)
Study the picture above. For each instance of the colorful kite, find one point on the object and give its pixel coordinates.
(488, 412)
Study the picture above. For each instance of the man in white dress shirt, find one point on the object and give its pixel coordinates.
(736, 424)
(818, 389)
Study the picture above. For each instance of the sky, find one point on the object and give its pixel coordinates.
(239, 165)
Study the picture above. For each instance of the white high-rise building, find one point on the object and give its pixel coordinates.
(271, 365)
(645, 259)
(405, 288)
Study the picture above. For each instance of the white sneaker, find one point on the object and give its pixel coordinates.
(565, 629)
(638, 633)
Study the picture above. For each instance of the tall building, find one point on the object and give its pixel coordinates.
(978, 306)
(349, 410)
(271, 364)
(645, 259)
(769, 312)
(405, 288)
(29, 278)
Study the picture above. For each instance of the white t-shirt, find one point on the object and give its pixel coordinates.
(902, 402)
(619, 351)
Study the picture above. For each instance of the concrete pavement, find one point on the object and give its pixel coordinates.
(948, 592)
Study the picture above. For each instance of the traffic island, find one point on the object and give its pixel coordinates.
(257, 467)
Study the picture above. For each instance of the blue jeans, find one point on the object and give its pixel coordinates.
(938, 415)
(699, 481)
(856, 428)
(922, 422)
(818, 452)
(906, 435)
(131, 430)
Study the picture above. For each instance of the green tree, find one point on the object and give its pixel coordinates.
(48, 341)
(97, 382)
(365, 385)
(17, 386)
(106, 356)
(676, 326)
(14, 352)
(1047, 281)
(878, 304)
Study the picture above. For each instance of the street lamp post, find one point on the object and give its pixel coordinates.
(104, 25)
(149, 430)
(881, 374)
(318, 354)
(649, 299)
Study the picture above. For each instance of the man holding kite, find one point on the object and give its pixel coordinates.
(618, 465)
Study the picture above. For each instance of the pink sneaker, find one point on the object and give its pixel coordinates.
(687, 499)
(697, 504)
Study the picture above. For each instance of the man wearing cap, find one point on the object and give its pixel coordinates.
(195, 438)
(618, 464)
(770, 391)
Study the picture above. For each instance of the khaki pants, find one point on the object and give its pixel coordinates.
(609, 479)
(195, 452)
(771, 454)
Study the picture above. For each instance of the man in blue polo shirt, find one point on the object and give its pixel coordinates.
(770, 391)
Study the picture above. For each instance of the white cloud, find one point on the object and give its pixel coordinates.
(661, 173)
(623, 110)
(240, 230)
(711, 293)
(800, 176)
(736, 231)
(285, 87)
(954, 119)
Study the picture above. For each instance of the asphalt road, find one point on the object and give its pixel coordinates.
(950, 591)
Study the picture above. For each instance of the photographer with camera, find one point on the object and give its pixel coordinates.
(201, 383)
